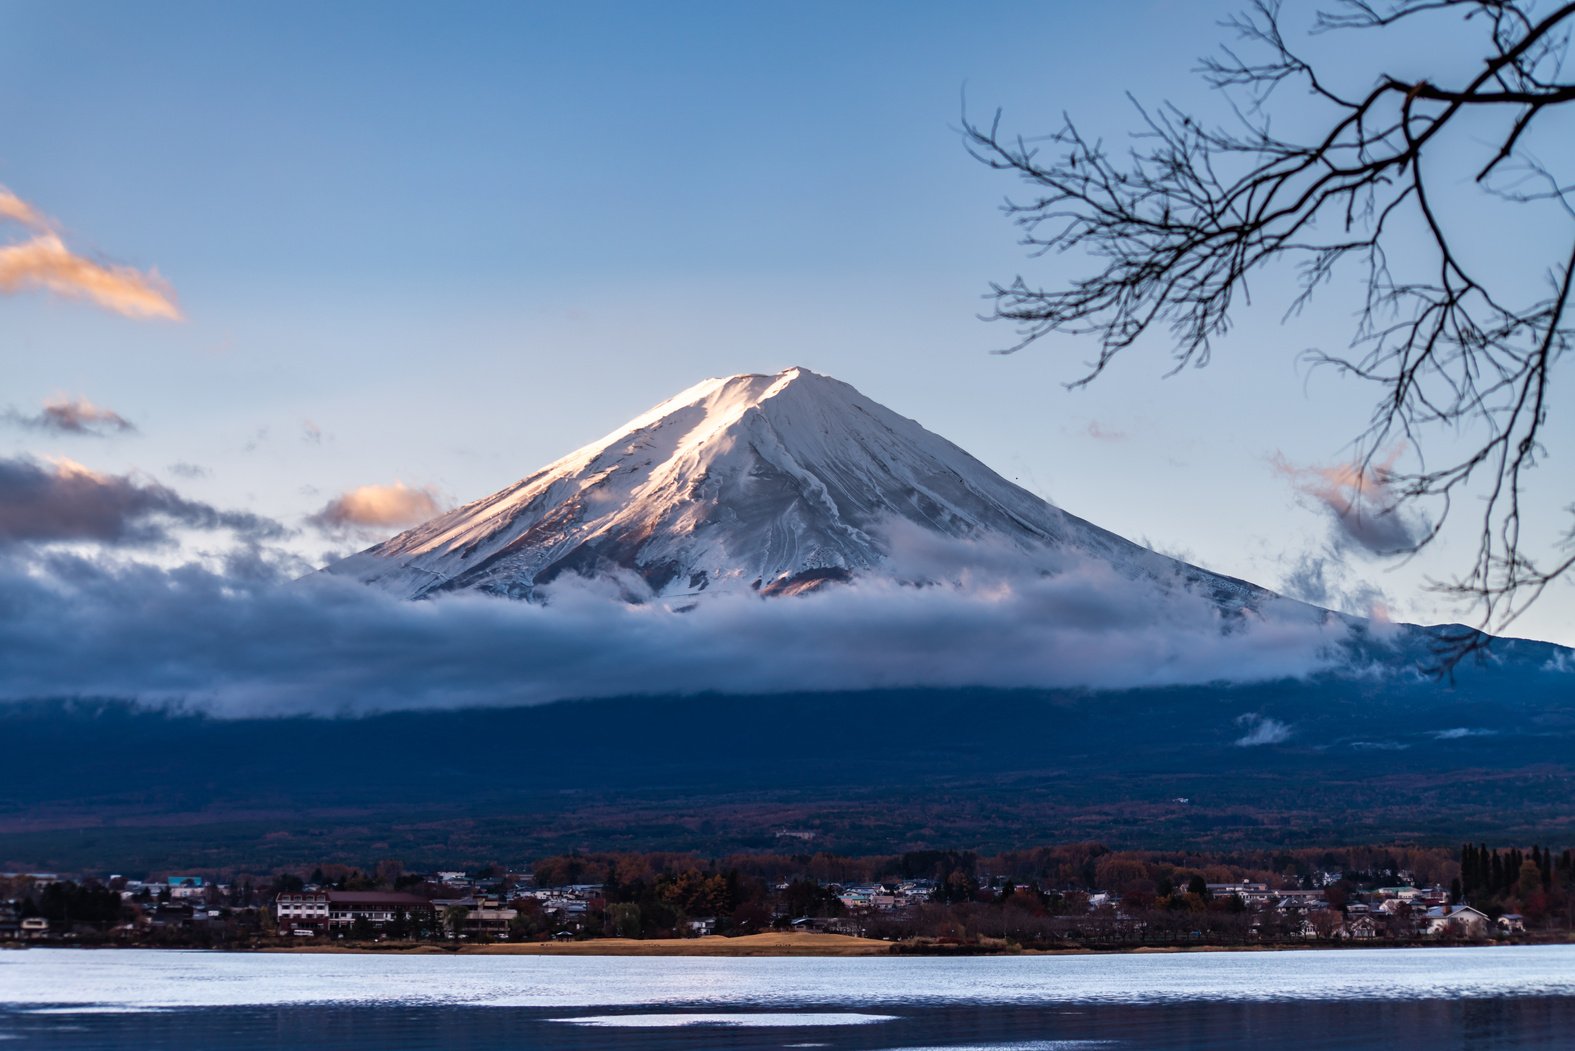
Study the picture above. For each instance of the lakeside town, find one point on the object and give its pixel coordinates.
(1085, 897)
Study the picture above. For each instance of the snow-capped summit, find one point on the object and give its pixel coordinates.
(776, 483)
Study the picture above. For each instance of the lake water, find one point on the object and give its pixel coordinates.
(1433, 999)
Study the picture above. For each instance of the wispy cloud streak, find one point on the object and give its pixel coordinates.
(44, 262)
(17, 210)
(73, 416)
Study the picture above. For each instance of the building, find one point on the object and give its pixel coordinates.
(186, 887)
(1406, 893)
(327, 910)
(377, 907)
(302, 910)
(484, 917)
(1361, 928)
(1254, 894)
(1461, 921)
(177, 914)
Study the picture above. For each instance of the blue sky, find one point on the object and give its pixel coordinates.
(444, 246)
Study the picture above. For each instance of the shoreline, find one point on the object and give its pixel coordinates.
(826, 945)
(774, 944)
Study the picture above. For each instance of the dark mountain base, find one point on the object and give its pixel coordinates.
(105, 786)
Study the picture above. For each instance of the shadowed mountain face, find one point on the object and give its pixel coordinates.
(778, 483)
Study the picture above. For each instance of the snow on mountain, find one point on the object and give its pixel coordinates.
(780, 484)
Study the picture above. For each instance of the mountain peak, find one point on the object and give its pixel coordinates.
(779, 483)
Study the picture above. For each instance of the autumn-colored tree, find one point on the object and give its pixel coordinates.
(623, 920)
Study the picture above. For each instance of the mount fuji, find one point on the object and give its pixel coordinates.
(780, 483)
(975, 668)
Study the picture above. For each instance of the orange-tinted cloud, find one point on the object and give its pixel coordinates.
(1366, 508)
(379, 506)
(45, 262)
(17, 210)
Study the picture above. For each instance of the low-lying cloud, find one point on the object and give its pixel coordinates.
(1365, 508)
(1262, 730)
(72, 416)
(64, 502)
(1327, 582)
(378, 507)
(43, 261)
(253, 643)
(1455, 733)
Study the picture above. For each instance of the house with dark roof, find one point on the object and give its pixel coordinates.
(377, 907)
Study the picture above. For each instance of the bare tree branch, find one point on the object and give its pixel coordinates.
(1175, 226)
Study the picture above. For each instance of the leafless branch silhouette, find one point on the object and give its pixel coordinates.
(1175, 226)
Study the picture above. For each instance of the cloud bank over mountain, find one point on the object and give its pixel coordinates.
(240, 638)
(755, 534)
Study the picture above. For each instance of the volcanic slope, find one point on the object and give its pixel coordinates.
(780, 483)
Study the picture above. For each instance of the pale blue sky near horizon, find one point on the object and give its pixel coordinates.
(459, 242)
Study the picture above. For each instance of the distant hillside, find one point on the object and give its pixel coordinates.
(103, 786)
